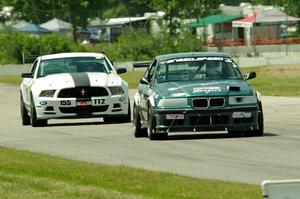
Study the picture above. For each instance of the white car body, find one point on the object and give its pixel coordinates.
(71, 93)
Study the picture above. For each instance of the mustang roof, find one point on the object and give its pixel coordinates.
(191, 54)
(65, 55)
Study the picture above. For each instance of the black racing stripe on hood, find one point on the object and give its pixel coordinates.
(80, 79)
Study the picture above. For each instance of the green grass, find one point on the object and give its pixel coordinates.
(270, 80)
(276, 80)
(10, 79)
(133, 78)
(30, 175)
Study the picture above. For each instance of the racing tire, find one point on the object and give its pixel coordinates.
(151, 123)
(257, 132)
(24, 113)
(138, 131)
(33, 119)
(151, 127)
(108, 119)
(260, 121)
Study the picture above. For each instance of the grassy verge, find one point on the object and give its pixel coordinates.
(271, 80)
(276, 80)
(10, 79)
(133, 78)
(30, 175)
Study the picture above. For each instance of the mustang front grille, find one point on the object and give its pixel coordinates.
(83, 109)
(82, 92)
(208, 102)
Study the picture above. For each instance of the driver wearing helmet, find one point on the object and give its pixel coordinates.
(213, 69)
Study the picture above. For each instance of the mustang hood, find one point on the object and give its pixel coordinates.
(212, 88)
(69, 80)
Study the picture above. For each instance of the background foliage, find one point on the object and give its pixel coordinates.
(136, 45)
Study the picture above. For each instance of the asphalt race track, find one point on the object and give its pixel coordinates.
(204, 155)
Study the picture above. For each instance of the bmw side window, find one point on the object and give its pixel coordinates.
(151, 71)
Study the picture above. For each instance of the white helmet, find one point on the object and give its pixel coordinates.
(213, 67)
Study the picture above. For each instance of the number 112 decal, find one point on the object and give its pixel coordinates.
(99, 101)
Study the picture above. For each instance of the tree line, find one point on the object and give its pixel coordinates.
(77, 12)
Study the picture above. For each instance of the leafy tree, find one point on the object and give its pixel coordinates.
(292, 7)
(126, 8)
(183, 9)
(76, 12)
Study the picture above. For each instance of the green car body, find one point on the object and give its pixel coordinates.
(196, 92)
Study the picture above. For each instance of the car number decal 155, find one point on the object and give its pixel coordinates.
(65, 103)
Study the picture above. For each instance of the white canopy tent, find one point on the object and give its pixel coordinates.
(266, 17)
(57, 25)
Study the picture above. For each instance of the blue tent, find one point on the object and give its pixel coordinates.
(25, 26)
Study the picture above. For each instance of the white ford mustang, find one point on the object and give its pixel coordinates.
(73, 85)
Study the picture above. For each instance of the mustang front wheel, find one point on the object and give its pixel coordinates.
(33, 119)
(24, 113)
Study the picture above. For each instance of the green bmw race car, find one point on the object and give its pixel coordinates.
(196, 92)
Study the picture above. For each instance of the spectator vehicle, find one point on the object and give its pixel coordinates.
(196, 92)
(73, 85)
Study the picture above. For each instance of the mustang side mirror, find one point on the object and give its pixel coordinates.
(121, 70)
(250, 75)
(27, 75)
(144, 81)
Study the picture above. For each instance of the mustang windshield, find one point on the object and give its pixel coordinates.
(197, 69)
(73, 65)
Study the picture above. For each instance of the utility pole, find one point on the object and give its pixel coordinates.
(253, 30)
(286, 27)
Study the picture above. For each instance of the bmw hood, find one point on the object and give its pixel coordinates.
(211, 88)
(70, 80)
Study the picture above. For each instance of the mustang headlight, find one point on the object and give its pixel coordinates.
(176, 102)
(117, 90)
(47, 93)
(236, 100)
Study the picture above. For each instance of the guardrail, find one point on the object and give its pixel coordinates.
(241, 42)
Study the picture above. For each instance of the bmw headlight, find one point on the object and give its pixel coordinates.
(176, 102)
(237, 100)
(47, 93)
(117, 90)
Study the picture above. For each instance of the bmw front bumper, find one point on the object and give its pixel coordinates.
(241, 118)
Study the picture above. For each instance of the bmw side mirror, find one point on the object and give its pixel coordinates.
(250, 75)
(121, 70)
(27, 75)
(144, 81)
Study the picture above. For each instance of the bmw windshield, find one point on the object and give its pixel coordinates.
(202, 68)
